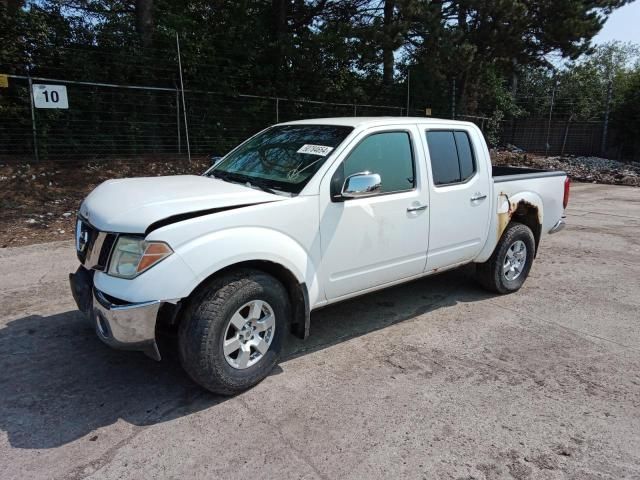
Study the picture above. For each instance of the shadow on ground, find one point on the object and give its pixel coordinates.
(60, 383)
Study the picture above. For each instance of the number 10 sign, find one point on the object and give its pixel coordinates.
(50, 96)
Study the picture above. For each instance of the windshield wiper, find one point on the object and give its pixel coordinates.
(243, 180)
(261, 186)
(224, 176)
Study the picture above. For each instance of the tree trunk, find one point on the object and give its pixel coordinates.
(12, 6)
(144, 21)
(387, 43)
(514, 78)
(462, 19)
(279, 32)
(461, 93)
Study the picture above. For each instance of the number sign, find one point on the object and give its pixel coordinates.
(50, 96)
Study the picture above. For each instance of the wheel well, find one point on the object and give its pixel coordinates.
(298, 295)
(529, 215)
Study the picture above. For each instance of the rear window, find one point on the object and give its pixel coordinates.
(452, 159)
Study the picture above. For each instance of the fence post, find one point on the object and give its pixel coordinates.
(178, 121)
(277, 109)
(553, 97)
(184, 105)
(605, 127)
(566, 134)
(33, 122)
(453, 99)
(408, 87)
(355, 110)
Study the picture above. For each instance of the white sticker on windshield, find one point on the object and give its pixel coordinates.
(321, 150)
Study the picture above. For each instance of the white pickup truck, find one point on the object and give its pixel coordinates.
(301, 215)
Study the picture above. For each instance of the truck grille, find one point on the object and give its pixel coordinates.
(93, 247)
(105, 251)
(85, 238)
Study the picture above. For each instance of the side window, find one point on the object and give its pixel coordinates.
(451, 155)
(444, 157)
(465, 155)
(388, 154)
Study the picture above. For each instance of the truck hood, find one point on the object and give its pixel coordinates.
(131, 205)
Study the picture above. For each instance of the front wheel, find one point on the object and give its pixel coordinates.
(232, 333)
(509, 265)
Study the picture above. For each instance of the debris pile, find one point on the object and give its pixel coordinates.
(39, 201)
(580, 169)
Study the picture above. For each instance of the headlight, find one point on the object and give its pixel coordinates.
(131, 256)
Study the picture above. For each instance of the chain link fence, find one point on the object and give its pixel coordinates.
(556, 137)
(106, 121)
(133, 122)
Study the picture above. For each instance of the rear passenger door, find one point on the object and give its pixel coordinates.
(459, 203)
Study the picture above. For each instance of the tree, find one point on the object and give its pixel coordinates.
(626, 116)
(144, 21)
(581, 86)
(388, 41)
(508, 35)
(337, 50)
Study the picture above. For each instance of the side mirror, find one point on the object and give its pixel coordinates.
(214, 159)
(362, 184)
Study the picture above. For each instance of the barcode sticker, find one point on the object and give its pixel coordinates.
(320, 150)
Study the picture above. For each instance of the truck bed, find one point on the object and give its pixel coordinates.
(507, 174)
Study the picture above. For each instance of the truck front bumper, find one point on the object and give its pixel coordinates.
(127, 326)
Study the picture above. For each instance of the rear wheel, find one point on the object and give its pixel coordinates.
(232, 333)
(509, 265)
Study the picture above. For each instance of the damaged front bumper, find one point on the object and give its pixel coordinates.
(127, 326)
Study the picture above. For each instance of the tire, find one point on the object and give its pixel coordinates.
(209, 322)
(491, 274)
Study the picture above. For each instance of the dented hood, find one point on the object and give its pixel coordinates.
(132, 205)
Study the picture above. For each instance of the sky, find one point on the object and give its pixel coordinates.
(622, 25)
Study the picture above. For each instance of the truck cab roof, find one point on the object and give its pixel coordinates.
(376, 121)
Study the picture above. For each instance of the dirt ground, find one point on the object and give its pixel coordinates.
(435, 379)
(39, 202)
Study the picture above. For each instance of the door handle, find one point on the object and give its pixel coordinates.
(478, 196)
(417, 208)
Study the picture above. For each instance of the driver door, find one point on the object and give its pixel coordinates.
(372, 241)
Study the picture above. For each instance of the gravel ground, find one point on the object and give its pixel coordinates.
(435, 379)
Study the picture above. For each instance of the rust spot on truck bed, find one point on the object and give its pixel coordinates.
(522, 209)
(503, 221)
(504, 217)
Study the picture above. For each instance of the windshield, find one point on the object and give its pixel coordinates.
(284, 157)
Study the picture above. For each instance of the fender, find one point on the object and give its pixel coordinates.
(196, 260)
(178, 275)
(505, 207)
(203, 255)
